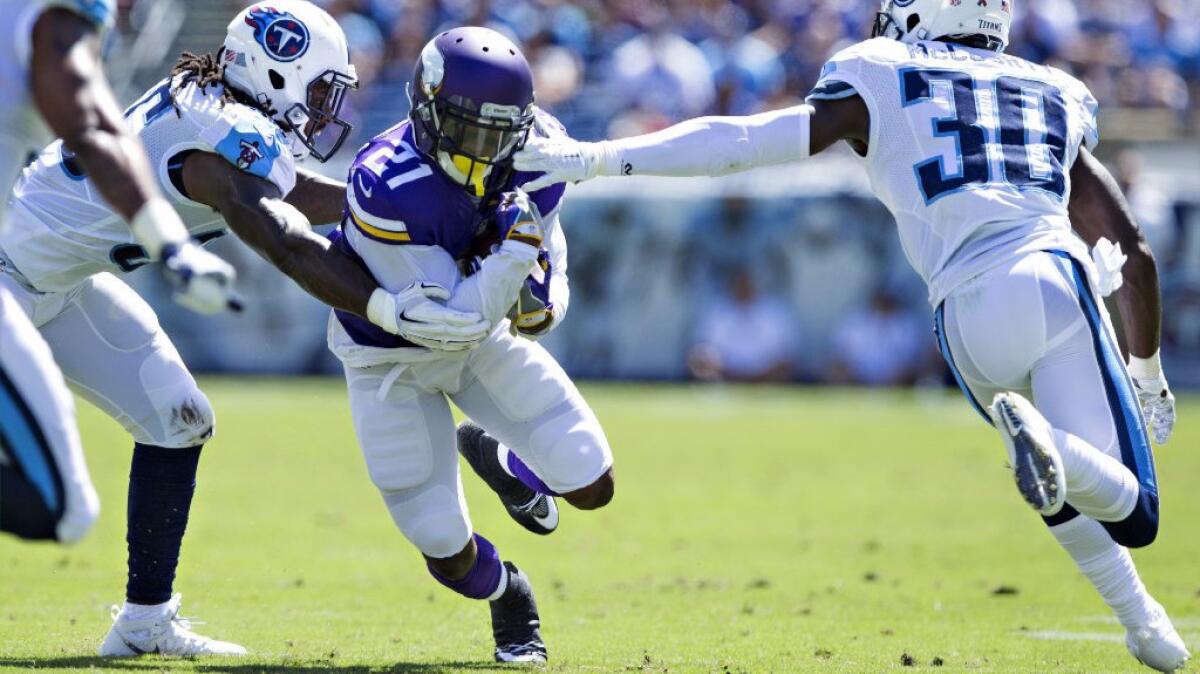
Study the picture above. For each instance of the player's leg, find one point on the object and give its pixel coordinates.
(45, 490)
(546, 435)
(1085, 394)
(408, 440)
(113, 352)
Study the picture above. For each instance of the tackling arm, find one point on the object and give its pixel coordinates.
(279, 232)
(320, 199)
(1099, 210)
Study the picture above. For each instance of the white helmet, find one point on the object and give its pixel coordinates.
(291, 58)
(916, 20)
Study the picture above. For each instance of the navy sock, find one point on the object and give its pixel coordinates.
(161, 484)
(484, 578)
(527, 477)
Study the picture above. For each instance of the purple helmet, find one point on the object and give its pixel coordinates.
(472, 103)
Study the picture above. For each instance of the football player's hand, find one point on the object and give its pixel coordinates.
(202, 281)
(1110, 260)
(417, 315)
(562, 160)
(533, 314)
(517, 219)
(1158, 406)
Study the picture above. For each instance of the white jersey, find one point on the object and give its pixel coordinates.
(22, 131)
(62, 231)
(971, 150)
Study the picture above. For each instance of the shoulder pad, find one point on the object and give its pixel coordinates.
(253, 143)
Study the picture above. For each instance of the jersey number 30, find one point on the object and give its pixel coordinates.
(1032, 132)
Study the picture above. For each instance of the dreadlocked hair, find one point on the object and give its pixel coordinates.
(203, 69)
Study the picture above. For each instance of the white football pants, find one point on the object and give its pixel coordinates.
(37, 425)
(513, 388)
(1035, 327)
(112, 351)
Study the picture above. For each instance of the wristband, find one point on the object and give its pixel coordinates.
(608, 160)
(156, 226)
(381, 310)
(1146, 368)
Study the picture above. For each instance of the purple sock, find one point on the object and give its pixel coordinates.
(484, 578)
(527, 477)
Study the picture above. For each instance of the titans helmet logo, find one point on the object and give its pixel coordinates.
(284, 36)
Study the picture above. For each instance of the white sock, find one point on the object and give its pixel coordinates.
(1098, 485)
(1109, 568)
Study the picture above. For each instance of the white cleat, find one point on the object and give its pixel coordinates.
(164, 633)
(1156, 644)
(1036, 463)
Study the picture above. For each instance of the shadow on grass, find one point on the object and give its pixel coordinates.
(156, 664)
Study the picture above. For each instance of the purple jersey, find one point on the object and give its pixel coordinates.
(398, 196)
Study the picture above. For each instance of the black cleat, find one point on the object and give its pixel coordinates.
(515, 623)
(536, 512)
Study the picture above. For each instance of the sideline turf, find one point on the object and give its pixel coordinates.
(754, 530)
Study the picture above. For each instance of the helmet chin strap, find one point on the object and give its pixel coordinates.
(468, 173)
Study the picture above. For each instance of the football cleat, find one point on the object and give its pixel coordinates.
(1156, 644)
(165, 633)
(1036, 463)
(536, 512)
(515, 623)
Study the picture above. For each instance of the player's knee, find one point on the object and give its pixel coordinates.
(594, 496)
(188, 419)
(432, 520)
(80, 515)
(456, 566)
(1140, 528)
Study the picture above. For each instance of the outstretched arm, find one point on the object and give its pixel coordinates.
(1099, 210)
(320, 199)
(706, 146)
(276, 230)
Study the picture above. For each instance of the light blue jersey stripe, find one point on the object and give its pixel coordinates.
(1136, 452)
(939, 328)
(26, 444)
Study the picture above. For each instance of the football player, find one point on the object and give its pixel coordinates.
(222, 133)
(50, 71)
(985, 161)
(420, 196)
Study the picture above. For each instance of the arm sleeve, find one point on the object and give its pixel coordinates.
(493, 289)
(713, 146)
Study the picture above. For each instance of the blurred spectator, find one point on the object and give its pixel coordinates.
(744, 336)
(1152, 208)
(880, 344)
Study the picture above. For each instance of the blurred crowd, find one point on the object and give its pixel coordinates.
(618, 67)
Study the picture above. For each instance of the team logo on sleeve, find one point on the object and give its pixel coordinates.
(284, 36)
(249, 154)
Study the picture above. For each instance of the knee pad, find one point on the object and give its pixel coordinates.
(570, 451)
(434, 520)
(1140, 529)
(187, 419)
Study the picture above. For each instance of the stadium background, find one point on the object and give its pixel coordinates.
(785, 274)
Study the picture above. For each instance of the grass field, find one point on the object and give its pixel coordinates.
(769, 530)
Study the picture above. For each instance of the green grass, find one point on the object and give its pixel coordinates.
(769, 530)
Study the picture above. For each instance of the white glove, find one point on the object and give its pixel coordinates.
(562, 160)
(1110, 260)
(203, 282)
(1158, 403)
(414, 315)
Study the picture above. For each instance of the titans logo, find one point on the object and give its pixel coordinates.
(283, 36)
